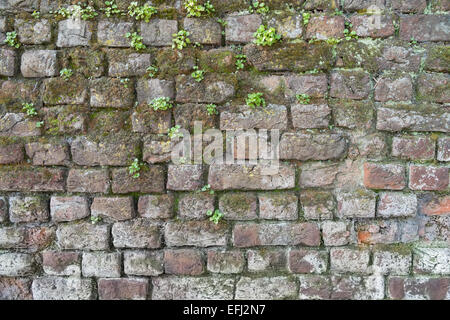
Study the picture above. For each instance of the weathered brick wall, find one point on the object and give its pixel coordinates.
(360, 207)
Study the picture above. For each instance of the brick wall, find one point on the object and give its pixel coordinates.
(360, 206)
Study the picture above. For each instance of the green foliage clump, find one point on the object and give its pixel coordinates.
(144, 12)
(215, 216)
(29, 109)
(194, 9)
(349, 34)
(180, 40)
(303, 98)
(306, 16)
(211, 109)
(111, 9)
(255, 100)
(135, 168)
(161, 103)
(174, 132)
(241, 59)
(65, 73)
(207, 188)
(266, 36)
(259, 7)
(11, 40)
(95, 220)
(125, 82)
(136, 41)
(152, 71)
(36, 14)
(198, 74)
(77, 11)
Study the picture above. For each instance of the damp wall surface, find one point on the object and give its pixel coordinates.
(358, 208)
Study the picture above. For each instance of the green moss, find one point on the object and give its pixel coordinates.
(359, 54)
(217, 60)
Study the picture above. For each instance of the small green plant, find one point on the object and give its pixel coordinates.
(11, 40)
(144, 12)
(136, 41)
(161, 103)
(152, 71)
(349, 34)
(135, 168)
(174, 132)
(125, 82)
(207, 188)
(194, 9)
(259, 7)
(29, 109)
(198, 74)
(111, 9)
(303, 98)
(211, 109)
(36, 14)
(180, 40)
(413, 41)
(65, 74)
(241, 59)
(215, 216)
(306, 16)
(333, 41)
(338, 12)
(78, 11)
(222, 22)
(266, 36)
(39, 124)
(255, 100)
(95, 220)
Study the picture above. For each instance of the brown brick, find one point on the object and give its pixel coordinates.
(308, 261)
(156, 206)
(431, 205)
(384, 176)
(424, 27)
(31, 179)
(227, 262)
(151, 179)
(88, 180)
(118, 208)
(413, 148)
(68, 208)
(324, 27)
(61, 263)
(183, 261)
(428, 178)
(11, 153)
(123, 289)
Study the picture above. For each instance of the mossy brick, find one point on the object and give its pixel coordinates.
(151, 179)
(244, 117)
(106, 122)
(28, 209)
(184, 177)
(352, 114)
(240, 28)
(295, 57)
(187, 114)
(58, 91)
(411, 6)
(88, 180)
(366, 54)
(317, 204)
(203, 31)
(238, 205)
(399, 88)
(413, 117)
(11, 152)
(143, 263)
(308, 116)
(434, 87)
(113, 208)
(14, 5)
(172, 63)
(278, 206)
(113, 34)
(48, 153)
(350, 84)
(33, 32)
(157, 149)
(357, 203)
(215, 88)
(83, 61)
(112, 150)
(195, 233)
(195, 205)
(438, 58)
(316, 147)
(149, 89)
(7, 62)
(288, 25)
(158, 32)
(217, 60)
(123, 63)
(111, 92)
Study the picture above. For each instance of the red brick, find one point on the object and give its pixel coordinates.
(425, 27)
(151, 179)
(117, 208)
(11, 153)
(428, 178)
(61, 263)
(253, 234)
(418, 288)
(31, 179)
(413, 148)
(183, 261)
(324, 27)
(384, 176)
(431, 205)
(374, 26)
(308, 261)
(123, 289)
(434, 87)
(88, 180)
(68, 208)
